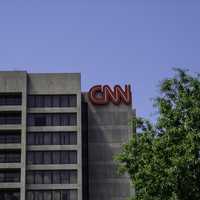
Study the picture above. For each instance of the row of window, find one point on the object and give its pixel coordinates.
(10, 176)
(10, 99)
(52, 195)
(52, 157)
(53, 119)
(52, 138)
(10, 118)
(9, 195)
(52, 177)
(8, 137)
(10, 156)
(52, 101)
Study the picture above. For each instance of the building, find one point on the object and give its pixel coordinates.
(56, 143)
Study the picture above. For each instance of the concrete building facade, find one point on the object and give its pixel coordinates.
(55, 144)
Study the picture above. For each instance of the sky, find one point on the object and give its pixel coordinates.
(135, 42)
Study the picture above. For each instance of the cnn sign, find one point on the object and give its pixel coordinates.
(102, 95)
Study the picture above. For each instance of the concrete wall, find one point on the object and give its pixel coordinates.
(107, 130)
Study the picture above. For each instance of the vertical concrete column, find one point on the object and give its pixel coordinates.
(23, 140)
(79, 143)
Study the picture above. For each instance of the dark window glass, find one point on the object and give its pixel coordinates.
(56, 138)
(65, 177)
(39, 120)
(55, 157)
(72, 119)
(72, 101)
(12, 137)
(56, 195)
(62, 119)
(73, 157)
(56, 101)
(31, 138)
(47, 177)
(39, 101)
(51, 177)
(47, 138)
(30, 195)
(73, 138)
(56, 177)
(73, 177)
(50, 138)
(48, 157)
(64, 157)
(38, 157)
(7, 137)
(65, 195)
(64, 101)
(47, 195)
(39, 195)
(10, 176)
(47, 101)
(9, 194)
(31, 157)
(30, 177)
(38, 178)
(51, 101)
(10, 118)
(51, 195)
(10, 156)
(39, 139)
(31, 101)
(10, 99)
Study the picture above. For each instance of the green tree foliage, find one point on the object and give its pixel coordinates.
(163, 159)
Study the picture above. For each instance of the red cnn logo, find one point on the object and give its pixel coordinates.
(102, 95)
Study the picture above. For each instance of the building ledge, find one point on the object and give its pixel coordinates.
(52, 167)
(51, 147)
(53, 110)
(51, 186)
(10, 146)
(51, 128)
(10, 185)
(10, 165)
(10, 108)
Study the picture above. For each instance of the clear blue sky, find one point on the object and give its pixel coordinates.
(108, 41)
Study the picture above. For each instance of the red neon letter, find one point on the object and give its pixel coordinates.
(99, 95)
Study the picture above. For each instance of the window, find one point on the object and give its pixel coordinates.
(54, 119)
(39, 157)
(47, 177)
(38, 178)
(51, 177)
(52, 100)
(10, 156)
(50, 138)
(51, 195)
(56, 138)
(10, 118)
(9, 194)
(56, 157)
(51, 157)
(10, 176)
(7, 137)
(10, 99)
(47, 158)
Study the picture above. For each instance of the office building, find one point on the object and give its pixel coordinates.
(58, 144)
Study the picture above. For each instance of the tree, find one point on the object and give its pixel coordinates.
(163, 159)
